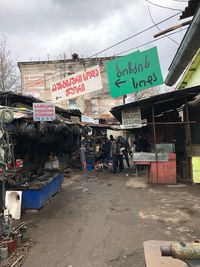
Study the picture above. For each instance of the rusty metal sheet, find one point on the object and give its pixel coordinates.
(153, 256)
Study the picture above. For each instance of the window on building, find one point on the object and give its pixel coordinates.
(47, 79)
(72, 104)
(94, 108)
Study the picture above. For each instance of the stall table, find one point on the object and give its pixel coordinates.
(161, 169)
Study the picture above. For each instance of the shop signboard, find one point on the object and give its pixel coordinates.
(76, 85)
(43, 112)
(131, 118)
(133, 73)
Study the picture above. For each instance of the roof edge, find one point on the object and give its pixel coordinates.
(186, 51)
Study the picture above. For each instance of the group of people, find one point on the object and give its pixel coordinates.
(115, 150)
(104, 150)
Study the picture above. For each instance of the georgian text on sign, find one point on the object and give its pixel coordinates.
(43, 112)
(134, 72)
(78, 84)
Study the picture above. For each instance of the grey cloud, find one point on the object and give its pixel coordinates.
(56, 15)
(37, 27)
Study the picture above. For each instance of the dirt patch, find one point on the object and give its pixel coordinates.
(70, 180)
(137, 182)
(176, 185)
(165, 216)
(120, 209)
(133, 259)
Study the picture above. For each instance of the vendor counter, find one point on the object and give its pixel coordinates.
(161, 167)
(36, 193)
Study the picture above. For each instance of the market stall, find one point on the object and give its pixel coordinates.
(165, 121)
(34, 154)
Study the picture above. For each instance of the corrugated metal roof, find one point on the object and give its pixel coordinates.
(11, 99)
(186, 51)
(190, 9)
(162, 102)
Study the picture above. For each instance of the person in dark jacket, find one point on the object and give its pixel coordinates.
(126, 151)
(115, 153)
(142, 144)
(106, 149)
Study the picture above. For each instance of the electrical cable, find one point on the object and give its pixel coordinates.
(180, 1)
(132, 36)
(115, 44)
(159, 28)
(45, 15)
(152, 41)
(174, 9)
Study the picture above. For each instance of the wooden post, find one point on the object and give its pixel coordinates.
(155, 139)
(124, 99)
(175, 27)
(188, 133)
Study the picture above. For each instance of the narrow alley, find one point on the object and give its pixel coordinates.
(103, 220)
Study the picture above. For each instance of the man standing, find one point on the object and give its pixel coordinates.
(126, 151)
(115, 153)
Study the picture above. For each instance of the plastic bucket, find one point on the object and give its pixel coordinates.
(4, 252)
(89, 165)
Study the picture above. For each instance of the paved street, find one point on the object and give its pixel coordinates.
(103, 220)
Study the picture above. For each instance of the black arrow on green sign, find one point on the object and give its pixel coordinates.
(118, 82)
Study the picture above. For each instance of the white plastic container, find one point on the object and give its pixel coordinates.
(13, 204)
(55, 164)
(48, 165)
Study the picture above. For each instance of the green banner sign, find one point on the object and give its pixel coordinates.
(134, 72)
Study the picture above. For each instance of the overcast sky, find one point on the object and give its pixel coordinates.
(35, 28)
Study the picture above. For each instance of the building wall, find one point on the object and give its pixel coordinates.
(195, 77)
(191, 76)
(37, 76)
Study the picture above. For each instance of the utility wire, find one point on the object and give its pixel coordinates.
(132, 36)
(180, 1)
(152, 41)
(174, 9)
(109, 47)
(48, 18)
(159, 28)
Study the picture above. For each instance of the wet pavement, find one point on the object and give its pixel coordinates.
(102, 220)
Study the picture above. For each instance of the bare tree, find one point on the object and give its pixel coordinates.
(9, 80)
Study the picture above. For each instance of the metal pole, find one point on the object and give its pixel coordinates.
(188, 132)
(3, 192)
(170, 123)
(124, 99)
(188, 124)
(155, 140)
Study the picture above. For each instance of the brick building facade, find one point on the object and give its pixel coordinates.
(37, 76)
